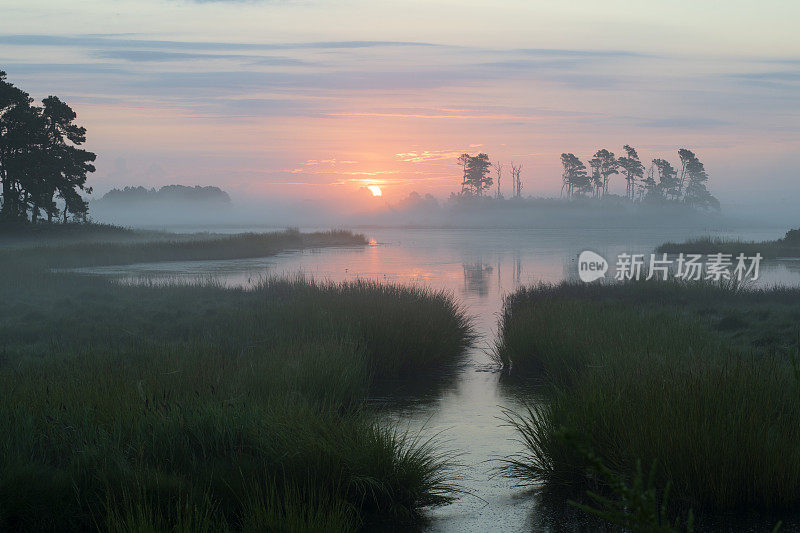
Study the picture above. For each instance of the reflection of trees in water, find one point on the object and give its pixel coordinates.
(476, 277)
(517, 273)
(569, 269)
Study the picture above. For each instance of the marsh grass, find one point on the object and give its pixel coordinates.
(200, 407)
(13, 231)
(181, 248)
(788, 246)
(660, 373)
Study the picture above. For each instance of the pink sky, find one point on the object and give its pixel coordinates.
(315, 100)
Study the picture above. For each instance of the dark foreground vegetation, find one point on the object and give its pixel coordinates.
(203, 408)
(788, 246)
(16, 233)
(698, 381)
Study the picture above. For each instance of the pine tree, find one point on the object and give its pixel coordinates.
(40, 157)
(632, 169)
(574, 176)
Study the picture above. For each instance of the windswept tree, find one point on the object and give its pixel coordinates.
(633, 170)
(648, 188)
(686, 157)
(575, 179)
(661, 183)
(604, 165)
(668, 183)
(40, 157)
(595, 179)
(693, 172)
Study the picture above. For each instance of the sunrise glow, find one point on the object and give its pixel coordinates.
(308, 111)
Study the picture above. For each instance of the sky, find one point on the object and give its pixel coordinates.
(317, 100)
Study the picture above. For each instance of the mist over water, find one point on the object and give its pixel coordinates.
(256, 215)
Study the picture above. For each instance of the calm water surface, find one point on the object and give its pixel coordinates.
(479, 267)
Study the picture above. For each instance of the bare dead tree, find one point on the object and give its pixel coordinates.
(516, 180)
(498, 168)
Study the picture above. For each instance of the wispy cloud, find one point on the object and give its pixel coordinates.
(424, 156)
(146, 56)
(94, 41)
(562, 52)
(684, 123)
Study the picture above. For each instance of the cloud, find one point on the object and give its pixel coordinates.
(424, 156)
(684, 123)
(217, 83)
(95, 41)
(62, 68)
(777, 76)
(165, 56)
(562, 52)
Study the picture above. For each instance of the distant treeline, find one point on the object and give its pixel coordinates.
(659, 183)
(169, 193)
(40, 158)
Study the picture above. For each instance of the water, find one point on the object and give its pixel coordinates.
(479, 267)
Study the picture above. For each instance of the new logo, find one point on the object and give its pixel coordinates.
(591, 266)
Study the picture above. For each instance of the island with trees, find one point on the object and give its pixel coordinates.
(660, 183)
(167, 194)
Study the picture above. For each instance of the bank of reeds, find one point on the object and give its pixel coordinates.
(686, 377)
(198, 407)
(788, 246)
(181, 248)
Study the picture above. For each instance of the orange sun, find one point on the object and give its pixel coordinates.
(375, 190)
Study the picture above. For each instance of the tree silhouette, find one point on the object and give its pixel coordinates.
(649, 187)
(686, 157)
(476, 178)
(16, 138)
(463, 161)
(604, 165)
(498, 168)
(575, 180)
(167, 194)
(696, 193)
(40, 157)
(668, 183)
(517, 181)
(632, 169)
(479, 173)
